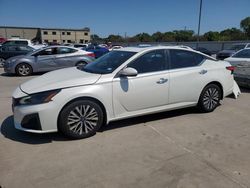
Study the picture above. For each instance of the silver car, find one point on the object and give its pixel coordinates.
(47, 59)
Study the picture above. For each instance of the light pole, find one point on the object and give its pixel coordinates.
(199, 25)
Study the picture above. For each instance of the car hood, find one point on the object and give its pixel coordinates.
(63, 78)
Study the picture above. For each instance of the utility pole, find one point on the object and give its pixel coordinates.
(199, 25)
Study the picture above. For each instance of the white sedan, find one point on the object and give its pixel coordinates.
(123, 83)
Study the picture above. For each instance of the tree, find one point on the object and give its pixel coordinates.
(158, 37)
(232, 34)
(183, 35)
(245, 25)
(143, 37)
(115, 38)
(169, 36)
(95, 38)
(212, 36)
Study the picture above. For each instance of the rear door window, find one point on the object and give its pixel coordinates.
(64, 50)
(184, 59)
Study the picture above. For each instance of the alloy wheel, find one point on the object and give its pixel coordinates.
(211, 98)
(24, 70)
(82, 119)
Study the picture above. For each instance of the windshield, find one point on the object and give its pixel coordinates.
(237, 47)
(109, 62)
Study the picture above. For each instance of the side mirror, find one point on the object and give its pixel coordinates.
(128, 72)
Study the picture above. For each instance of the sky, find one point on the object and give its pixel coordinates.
(106, 17)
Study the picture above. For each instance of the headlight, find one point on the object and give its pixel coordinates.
(37, 98)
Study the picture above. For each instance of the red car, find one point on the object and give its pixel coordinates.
(2, 40)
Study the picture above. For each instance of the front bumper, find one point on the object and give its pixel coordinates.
(8, 68)
(40, 118)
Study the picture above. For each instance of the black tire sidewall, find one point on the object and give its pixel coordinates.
(201, 105)
(81, 63)
(17, 71)
(62, 122)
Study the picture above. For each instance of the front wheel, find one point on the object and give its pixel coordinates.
(2, 60)
(210, 98)
(23, 69)
(80, 119)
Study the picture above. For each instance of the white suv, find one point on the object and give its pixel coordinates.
(22, 42)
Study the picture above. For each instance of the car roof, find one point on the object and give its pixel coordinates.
(17, 39)
(140, 49)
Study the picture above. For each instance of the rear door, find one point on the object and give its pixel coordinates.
(187, 76)
(65, 57)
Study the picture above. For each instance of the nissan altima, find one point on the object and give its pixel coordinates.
(124, 83)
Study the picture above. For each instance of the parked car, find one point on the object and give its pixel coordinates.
(47, 59)
(8, 51)
(104, 46)
(115, 47)
(204, 50)
(17, 41)
(97, 50)
(144, 45)
(241, 60)
(124, 83)
(229, 52)
(80, 46)
(2, 40)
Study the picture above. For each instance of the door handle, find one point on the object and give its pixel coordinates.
(162, 81)
(203, 71)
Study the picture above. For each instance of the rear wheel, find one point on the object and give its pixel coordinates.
(210, 98)
(80, 119)
(23, 69)
(81, 64)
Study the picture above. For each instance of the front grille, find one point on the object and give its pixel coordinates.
(31, 121)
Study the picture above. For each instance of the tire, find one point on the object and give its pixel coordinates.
(80, 119)
(2, 60)
(210, 98)
(81, 64)
(23, 69)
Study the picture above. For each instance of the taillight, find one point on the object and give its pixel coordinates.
(91, 55)
(231, 68)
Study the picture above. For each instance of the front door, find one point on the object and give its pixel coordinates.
(45, 59)
(146, 90)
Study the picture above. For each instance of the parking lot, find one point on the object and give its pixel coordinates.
(181, 148)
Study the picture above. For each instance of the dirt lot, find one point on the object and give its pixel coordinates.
(181, 148)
